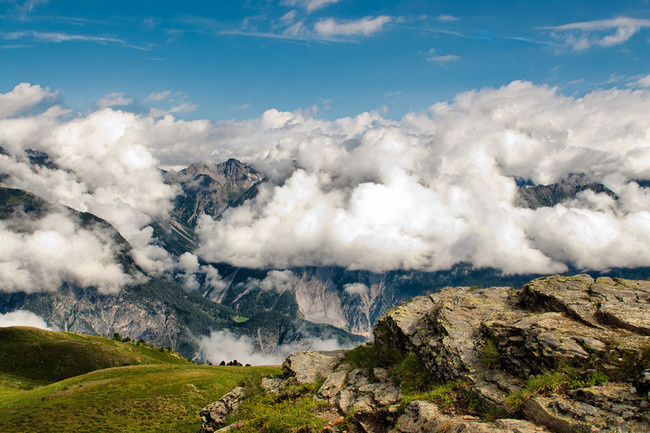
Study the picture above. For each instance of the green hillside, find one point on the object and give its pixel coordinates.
(59, 382)
(133, 399)
(31, 356)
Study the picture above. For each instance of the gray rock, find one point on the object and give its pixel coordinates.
(425, 417)
(214, 414)
(308, 367)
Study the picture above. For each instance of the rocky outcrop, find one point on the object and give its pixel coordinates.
(496, 339)
(563, 354)
(214, 415)
(307, 367)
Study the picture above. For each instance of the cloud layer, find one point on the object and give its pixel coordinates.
(424, 192)
(437, 189)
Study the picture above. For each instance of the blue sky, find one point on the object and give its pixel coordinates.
(227, 59)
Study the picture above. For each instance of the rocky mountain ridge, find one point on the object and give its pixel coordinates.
(563, 354)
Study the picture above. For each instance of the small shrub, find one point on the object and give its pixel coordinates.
(542, 384)
(411, 372)
(490, 355)
(117, 337)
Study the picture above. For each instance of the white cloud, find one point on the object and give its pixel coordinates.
(113, 100)
(447, 18)
(23, 97)
(365, 192)
(310, 5)
(356, 289)
(40, 255)
(366, 26)
(431, 191)
(584, 35)
(642, 82)
(23, 318)
(226, 346)
(105, 167)
(277, 280)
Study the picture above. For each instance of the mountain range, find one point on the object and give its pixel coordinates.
(269, 308)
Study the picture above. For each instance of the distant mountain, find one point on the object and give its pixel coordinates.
(326, 301)
(158, 310)
(211, 188)
(535, 196)
(206, 189)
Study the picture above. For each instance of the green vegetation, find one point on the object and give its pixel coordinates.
(454, 396)
(490, 355)
(553, 382)
(134, 399)
(163, 395)
(294, 412)
(408, 369)
(31, 356)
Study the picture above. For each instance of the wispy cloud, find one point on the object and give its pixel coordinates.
(22, 8)
(59, 37)
(432, 57)
(366, 26)
(245, 106)
(641, 82)
(184, 107)
(444, 59)
(158, 96)
(447, 18)
(309, 5)
(324, 30)
(581, 36)
(114, 100)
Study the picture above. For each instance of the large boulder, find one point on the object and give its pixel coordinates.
(308, 367)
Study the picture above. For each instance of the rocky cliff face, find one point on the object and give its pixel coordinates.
(564, 354)
(210, 188)
(535, 196)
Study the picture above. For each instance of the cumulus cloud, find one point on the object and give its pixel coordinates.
(605, 33)
(23, 97)
(226, 346)
(103, 165)
(23, 318)
(437, 189)
(114, 100)
(366, 26)
(40, 255)
(425, 192)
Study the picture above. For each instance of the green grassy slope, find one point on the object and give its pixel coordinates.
(60, 382)
(134, 399)
(31, 356)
